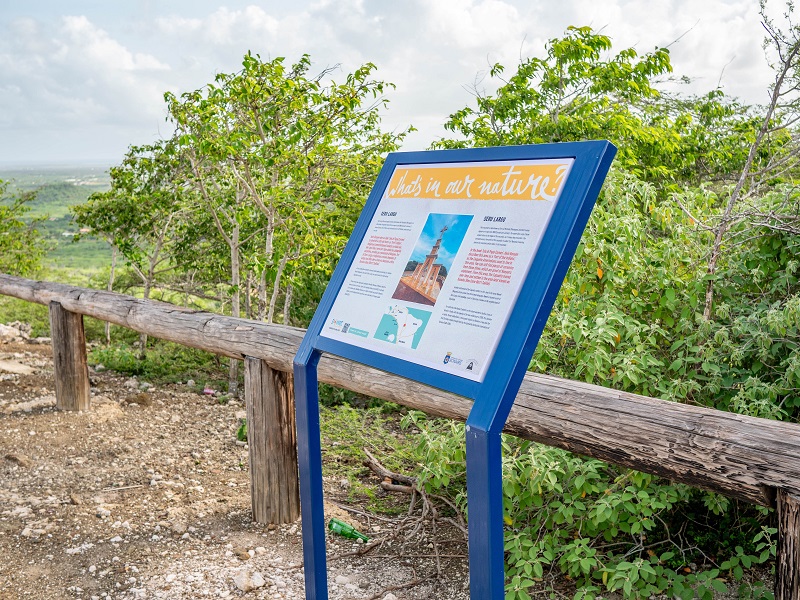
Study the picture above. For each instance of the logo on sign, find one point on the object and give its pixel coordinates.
(447, 357)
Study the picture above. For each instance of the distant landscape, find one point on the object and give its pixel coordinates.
(57, 189)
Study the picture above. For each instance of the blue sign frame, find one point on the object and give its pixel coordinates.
(493, 397)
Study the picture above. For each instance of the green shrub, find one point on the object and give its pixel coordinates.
(605, 528)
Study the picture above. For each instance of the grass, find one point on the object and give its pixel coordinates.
(345, 431)
(164, 362)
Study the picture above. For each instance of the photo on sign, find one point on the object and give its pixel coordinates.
(432, 258)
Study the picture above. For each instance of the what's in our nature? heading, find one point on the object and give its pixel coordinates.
(540, 181)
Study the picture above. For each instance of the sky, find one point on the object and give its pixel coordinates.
(82, 80)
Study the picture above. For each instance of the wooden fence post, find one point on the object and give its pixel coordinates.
(787, 569)
(272, 441)
(69, 359)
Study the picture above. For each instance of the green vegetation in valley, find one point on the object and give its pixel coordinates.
(52, 191)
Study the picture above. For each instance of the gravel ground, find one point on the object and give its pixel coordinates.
(147, 496)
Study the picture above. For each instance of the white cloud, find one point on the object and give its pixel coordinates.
(222, 27)
(471, 25)
(83, 43)
(99, 83)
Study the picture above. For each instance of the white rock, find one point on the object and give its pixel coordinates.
(10, 334)
(342, 580)
(248, 581)
(390, 596)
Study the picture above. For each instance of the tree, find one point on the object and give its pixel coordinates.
(581, 89)
(139, 215)
(774, 151)
(281, 162)
(21, 246)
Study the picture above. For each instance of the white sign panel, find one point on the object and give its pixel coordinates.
(443, 260)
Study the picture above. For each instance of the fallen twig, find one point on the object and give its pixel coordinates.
(403, 586)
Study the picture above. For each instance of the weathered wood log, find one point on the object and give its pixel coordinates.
(738, 456)
(69, 359)
(272, 443)
(787, 568)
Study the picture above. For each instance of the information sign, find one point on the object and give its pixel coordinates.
(448, 279)
(443, 260)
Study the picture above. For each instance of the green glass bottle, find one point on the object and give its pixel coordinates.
(345, 530)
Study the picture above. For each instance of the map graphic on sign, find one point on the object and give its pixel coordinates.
(402, 326)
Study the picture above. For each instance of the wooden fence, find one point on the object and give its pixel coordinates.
(751, 459)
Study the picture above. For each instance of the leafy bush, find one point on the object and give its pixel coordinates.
(605, 528)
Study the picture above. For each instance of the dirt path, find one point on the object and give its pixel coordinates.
(147, 496)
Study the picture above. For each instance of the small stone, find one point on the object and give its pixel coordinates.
(102, 512)
(179, 527)
(342, 580)
(261, 550)
(115, 540)
(390, 596)
(190, 383)
(242, 554)
(19, 459)
(248, 581)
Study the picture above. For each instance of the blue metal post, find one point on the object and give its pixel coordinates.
(485, 500)
(309, 460)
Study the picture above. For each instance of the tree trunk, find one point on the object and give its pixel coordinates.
(287, 303)
(248, 305)
(276, 287)
(143, 336)
(262, 295)
(110, 288)
(233, 371)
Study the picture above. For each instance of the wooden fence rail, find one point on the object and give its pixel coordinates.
(756, 460)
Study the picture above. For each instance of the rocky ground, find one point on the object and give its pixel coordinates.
(147, 496)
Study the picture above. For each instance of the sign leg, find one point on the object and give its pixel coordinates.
(485, 502)
(309, 459)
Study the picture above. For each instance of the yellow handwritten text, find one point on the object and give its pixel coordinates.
(540, 181)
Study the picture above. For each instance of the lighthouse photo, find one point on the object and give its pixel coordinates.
(432, 258)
